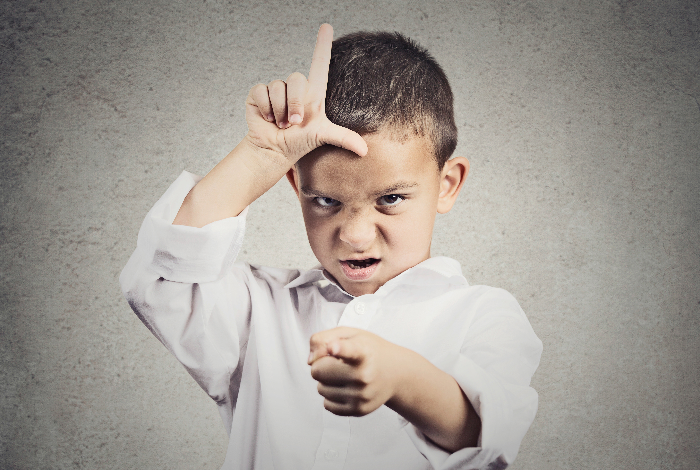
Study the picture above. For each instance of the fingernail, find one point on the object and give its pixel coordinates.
(295, 119)
(270, 117)
(311, 355)
(283, 124)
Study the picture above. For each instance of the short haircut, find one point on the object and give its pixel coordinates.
(382, 80)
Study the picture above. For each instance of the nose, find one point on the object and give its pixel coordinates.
(358, 231)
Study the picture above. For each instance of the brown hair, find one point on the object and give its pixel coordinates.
(381, 80)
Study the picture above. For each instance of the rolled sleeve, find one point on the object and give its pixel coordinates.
(181, 282)
(497, 360)
(188, 254)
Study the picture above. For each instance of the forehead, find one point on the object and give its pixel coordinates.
(388, 161)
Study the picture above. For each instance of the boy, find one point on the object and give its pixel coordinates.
(380, 358)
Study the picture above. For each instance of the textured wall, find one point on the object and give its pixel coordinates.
(582, 124)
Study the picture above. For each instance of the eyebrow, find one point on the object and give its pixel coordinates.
(399, 186)
(306, 191)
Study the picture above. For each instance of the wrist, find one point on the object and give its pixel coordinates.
(433, 402)
(262, 160)
(403, 374)
(240, 178)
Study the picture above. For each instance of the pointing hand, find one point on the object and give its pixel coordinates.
(354, 370)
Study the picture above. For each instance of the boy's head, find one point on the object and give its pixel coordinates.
(384, 81)
(370, 218)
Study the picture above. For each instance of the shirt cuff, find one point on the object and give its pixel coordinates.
(506, 412)
(493, 368)
(188, 254)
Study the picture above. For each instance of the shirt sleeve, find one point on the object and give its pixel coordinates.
(179, 281)
(494, 366)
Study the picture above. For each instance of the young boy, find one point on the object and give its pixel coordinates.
(381, 357)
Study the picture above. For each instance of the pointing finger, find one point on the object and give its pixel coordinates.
(325, 343)
(318, 73)
(320, 346)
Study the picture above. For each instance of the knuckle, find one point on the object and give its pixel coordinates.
(363, 396)
(353, 404)
(258, 89)
(295, 102)
(277, 85)
(315, 373)
(365, 376)
(296, 76)
(367, 408)
(333, 407)
(315, 340)
(362, 409)
(356, 406)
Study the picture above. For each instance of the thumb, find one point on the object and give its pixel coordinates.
(334, 134)
(347, 350)
(319, 349)
(344, 349)
(329, 342)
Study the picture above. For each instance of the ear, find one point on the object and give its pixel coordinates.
(452, 178)
(293, 178)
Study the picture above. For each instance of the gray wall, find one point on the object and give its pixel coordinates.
(582, 124)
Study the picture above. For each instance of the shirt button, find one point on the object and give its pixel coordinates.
(360, 308)
(331, 454)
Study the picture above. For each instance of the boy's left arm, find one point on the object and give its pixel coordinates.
(359, 371)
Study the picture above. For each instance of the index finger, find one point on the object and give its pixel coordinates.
(326, 343)
(318, 73)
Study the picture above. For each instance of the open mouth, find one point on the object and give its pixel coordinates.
(361, 263)
(359, 269)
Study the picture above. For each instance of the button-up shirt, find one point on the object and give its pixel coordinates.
(243, 331)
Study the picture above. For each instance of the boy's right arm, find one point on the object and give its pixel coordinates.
(179, 281)
(285, 122)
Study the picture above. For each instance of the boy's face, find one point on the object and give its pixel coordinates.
(370, 218)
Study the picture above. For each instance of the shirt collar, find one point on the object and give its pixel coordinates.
(432, 271)
(315, 274)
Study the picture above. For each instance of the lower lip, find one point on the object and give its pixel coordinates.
(358, 274)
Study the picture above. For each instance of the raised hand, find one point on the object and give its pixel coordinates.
(289, 118)
(286, 120)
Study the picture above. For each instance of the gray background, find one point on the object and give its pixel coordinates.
(582, 124)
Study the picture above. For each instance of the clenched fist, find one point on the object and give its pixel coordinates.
(354, 370)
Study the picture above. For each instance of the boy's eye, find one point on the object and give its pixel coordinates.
(390, 200)
(325, 202)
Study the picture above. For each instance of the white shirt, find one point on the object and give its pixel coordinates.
(243, 332)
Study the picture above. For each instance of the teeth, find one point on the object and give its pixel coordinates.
(359, 264)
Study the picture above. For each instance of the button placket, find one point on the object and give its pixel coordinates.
(332, 451)
(357, 314)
